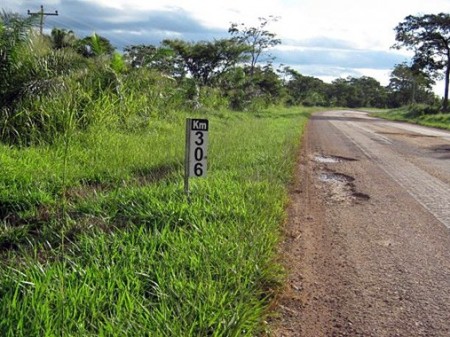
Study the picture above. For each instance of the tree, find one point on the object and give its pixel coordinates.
(371, 92)
(204, 60)
(14, 36)
(409, 85)
(62, 38)
(358, 92)
(30, 71)
(268, 85)
(257, 39)
(343, 94)
(428, 36)
(95, 45)
(306, 90)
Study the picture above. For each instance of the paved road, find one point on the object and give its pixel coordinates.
(368, 238)
(417, 158)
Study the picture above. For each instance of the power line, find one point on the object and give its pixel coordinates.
(41, 14)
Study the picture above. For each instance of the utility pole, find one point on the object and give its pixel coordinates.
(41, 13)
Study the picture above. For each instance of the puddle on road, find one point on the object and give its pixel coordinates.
(327, 160)
(331, 159)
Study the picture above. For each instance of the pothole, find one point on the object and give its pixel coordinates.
(335, 177)
(406, 134)
(360, 196)
(443, 148)
(340, 188)
(326, 160)
(331, 159)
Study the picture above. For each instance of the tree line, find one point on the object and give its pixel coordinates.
(237, 72)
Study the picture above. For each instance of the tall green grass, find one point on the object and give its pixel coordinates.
(440, 120)
(97, 238)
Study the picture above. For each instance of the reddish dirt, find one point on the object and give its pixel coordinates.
(367, 244)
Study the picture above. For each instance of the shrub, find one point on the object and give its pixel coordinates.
(416, 110)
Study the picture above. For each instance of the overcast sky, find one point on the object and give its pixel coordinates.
(322, 38)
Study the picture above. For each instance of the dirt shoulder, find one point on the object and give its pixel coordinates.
(365, 256)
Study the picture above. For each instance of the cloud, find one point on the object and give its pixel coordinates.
(320, 42)
(321, 71)
(123, 27)
(150, 26)
(349, 58)
(322, 38)
(328, 59)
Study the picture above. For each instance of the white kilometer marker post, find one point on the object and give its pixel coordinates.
(196, 150)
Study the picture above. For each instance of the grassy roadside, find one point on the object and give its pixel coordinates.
(96, 237)
(441, 121)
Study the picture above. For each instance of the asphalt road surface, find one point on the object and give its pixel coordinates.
(367, 244)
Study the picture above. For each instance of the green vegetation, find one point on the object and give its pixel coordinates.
(98, 239)
(428, 36)
(96, 235)
(418, 114)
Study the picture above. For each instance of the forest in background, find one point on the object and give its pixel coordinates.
(53, 82)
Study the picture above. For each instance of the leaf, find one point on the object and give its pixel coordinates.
(117, 63)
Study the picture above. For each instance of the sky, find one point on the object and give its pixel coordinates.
(327, 39)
